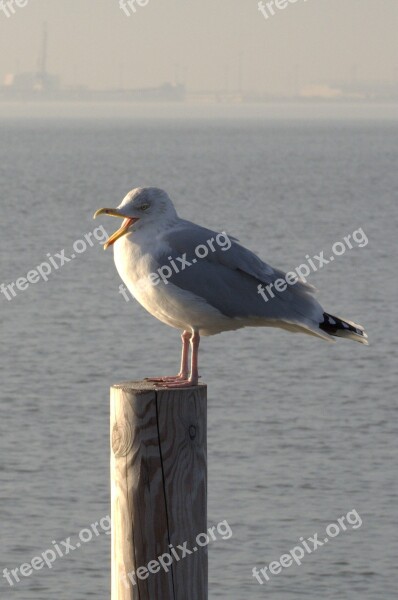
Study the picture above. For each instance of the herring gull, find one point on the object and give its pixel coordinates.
(204, 282)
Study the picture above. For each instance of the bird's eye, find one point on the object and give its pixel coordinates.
(144, 206)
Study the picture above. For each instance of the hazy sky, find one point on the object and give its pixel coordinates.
(94, 42)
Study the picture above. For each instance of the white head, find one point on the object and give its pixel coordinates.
(141, 208)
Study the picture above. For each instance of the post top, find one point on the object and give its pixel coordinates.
(144, 386)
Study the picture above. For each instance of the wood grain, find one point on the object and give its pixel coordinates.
(158, 490)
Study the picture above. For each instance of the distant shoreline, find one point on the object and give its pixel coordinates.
(308, 110)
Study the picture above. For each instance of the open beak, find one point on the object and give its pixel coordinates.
(114, 212)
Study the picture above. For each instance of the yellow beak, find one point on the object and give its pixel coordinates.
(114, 212)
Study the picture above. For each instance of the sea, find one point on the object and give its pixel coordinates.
(302, 434)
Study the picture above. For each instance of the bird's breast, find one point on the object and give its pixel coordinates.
(133, 262)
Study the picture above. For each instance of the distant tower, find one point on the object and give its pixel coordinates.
(226, 79)
(296, 80)
(121, 76)
(354, 75)
(240, 83)
(42, 60)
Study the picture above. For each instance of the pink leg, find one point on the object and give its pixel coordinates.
(183, 374)
(194, 376)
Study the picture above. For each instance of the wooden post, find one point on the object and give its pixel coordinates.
(159, 491)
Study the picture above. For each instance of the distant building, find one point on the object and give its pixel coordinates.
(39, 82)
(41, 85)
(320, 91)
(31, 83)
(359, 91)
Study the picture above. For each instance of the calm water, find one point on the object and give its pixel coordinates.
(300, 431)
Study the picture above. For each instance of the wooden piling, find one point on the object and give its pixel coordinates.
(158, 491)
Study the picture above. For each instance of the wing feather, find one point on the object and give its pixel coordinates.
(229, 276)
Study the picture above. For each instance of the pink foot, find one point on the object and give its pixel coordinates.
(167, 378)
(178, 383)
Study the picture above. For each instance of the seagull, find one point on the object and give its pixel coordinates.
(204, 282)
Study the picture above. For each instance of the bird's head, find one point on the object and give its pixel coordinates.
(143, 206)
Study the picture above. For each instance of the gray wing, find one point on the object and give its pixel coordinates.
(229, 276)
